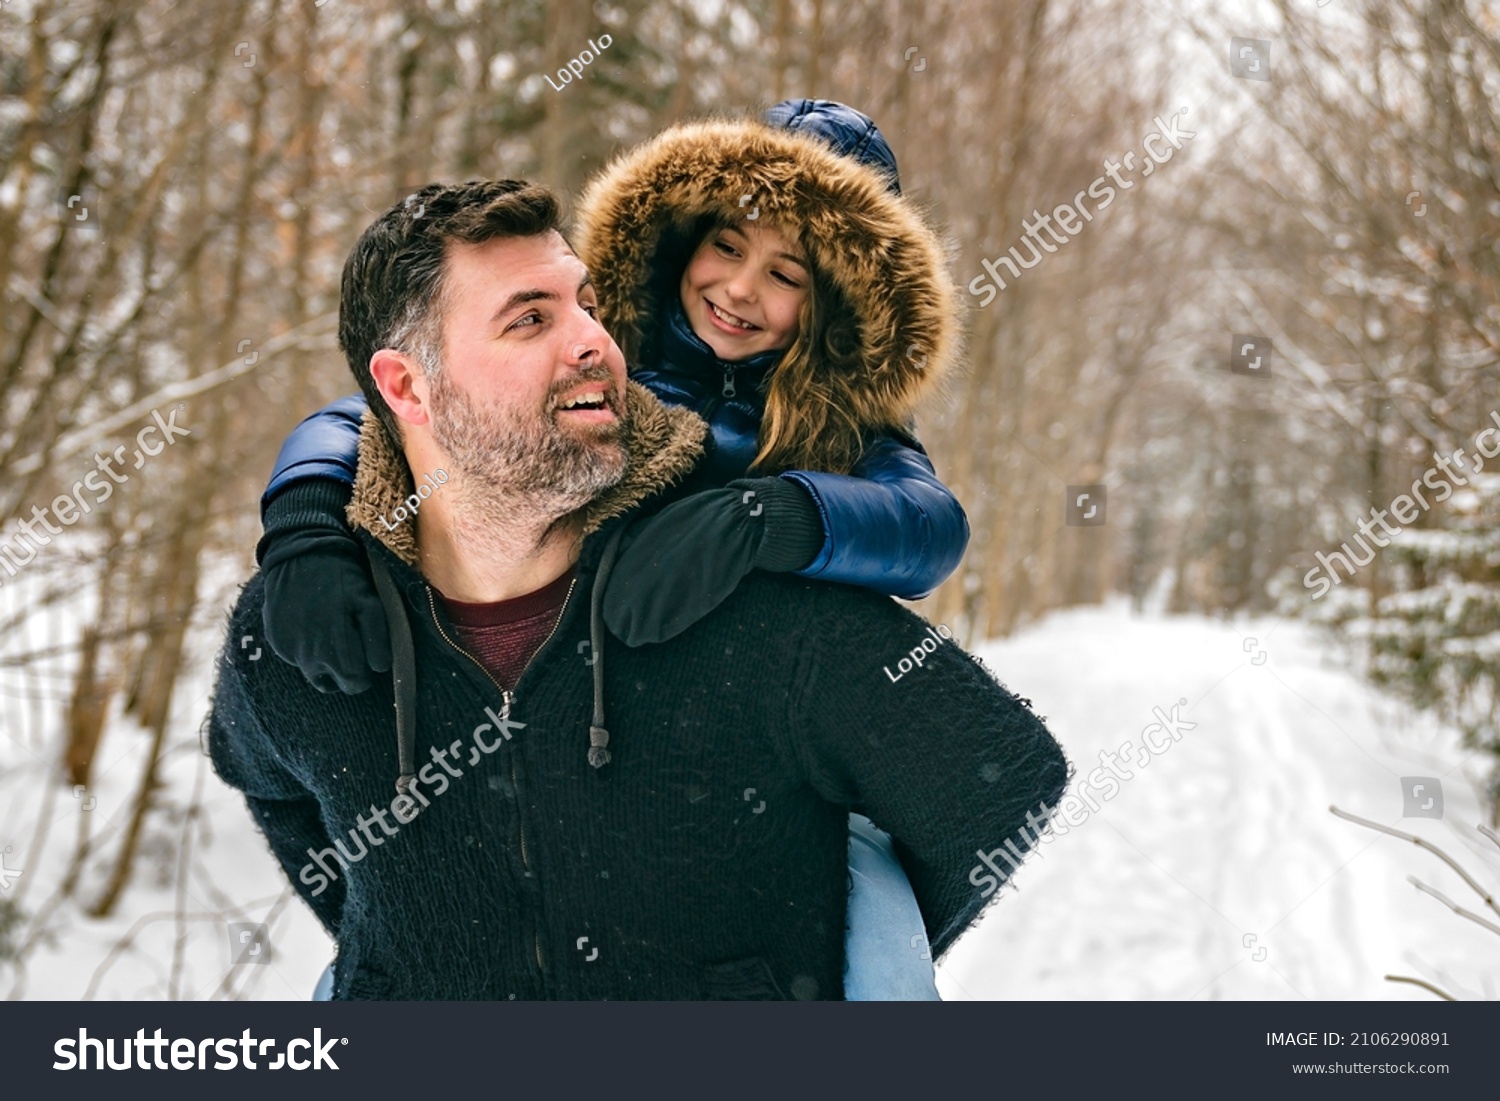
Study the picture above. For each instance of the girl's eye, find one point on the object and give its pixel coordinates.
(787, 281)
(725, 247)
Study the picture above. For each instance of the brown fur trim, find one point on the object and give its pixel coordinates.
(873, 245)
(664, 444)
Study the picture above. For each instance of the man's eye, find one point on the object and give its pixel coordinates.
(523, 322)
(592, 311)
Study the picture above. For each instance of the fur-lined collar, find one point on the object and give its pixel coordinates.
(869, 242)
(664, 443)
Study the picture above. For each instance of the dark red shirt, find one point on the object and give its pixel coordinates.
(506, 635)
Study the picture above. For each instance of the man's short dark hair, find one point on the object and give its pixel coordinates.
(392, 292)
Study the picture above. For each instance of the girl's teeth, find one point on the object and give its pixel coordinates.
(722, 316)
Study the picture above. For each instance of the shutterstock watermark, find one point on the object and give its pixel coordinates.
(408, 804)
(67, 508)
(1403, 507)
(1159, 145)
(157, 1052)
(1074, 808)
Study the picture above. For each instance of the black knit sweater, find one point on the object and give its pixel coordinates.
(707, 859)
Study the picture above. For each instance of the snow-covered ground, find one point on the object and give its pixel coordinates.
(170, 935)
(1215, 872)
(1218, 871)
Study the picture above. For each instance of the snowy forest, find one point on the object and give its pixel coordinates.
(1283, 324)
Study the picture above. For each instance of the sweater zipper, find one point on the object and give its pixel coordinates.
(509, 698)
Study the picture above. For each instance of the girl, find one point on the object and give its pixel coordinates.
(770, 277)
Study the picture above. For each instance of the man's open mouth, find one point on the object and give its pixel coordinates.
(730, 319)
(588, 399)
(587, 403)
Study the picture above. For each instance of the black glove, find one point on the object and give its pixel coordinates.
(680, 564)
(321, 612)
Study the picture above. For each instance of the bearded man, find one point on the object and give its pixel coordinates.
(484, 826)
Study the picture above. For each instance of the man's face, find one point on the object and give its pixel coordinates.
(531, 395)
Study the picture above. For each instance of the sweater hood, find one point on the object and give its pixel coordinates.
(637, 215)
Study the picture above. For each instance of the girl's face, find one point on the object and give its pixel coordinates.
(743, 288)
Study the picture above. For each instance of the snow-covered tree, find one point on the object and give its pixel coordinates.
(1436, 638)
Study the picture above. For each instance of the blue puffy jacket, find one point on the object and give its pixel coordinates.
(822, 168)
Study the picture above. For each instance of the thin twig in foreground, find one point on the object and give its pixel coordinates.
(1424, 984)
(1455, 907)
(1489, 899)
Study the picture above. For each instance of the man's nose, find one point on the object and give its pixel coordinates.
(588, 343)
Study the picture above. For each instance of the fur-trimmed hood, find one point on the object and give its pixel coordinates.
(663, 444)
(871, 244)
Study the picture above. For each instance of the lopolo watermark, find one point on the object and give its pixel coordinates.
(68, 507)
(425, 489)
(1066, 215)
(576, 66)
(1404, 508)
(918, 654)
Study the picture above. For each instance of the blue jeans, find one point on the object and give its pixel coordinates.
(323, 992)
(887, 959)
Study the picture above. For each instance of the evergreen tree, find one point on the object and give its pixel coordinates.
(1436, 637)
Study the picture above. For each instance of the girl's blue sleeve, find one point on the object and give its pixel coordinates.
(325, 445)
(891, 526)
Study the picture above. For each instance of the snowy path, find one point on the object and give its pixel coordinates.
(1222, 849)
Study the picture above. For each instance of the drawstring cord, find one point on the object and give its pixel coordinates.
(599, 755)
(403, 671)
(404, 664)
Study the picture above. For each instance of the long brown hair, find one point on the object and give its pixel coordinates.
(804, 426)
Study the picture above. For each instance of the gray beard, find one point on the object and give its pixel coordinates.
(529, 466)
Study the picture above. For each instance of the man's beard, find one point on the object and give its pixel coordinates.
(514, 453)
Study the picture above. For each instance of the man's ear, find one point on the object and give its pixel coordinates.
(402, 383)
